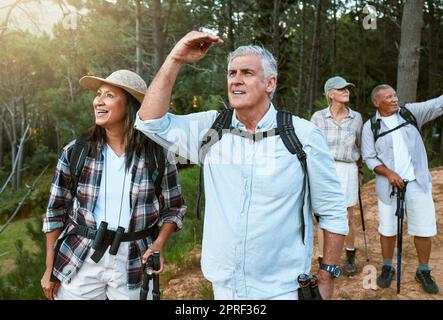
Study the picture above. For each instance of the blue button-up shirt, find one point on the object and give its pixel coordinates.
(251, 239)
(382, 152)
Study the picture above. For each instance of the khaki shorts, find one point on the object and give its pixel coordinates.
(420, 213)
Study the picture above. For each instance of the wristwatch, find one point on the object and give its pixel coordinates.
(332, 269)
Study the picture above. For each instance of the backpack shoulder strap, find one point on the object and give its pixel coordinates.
(406, 114)
(287, 133)
(155, 158)
(218, 128)
(215, 133)
(77, 159)
(375, 127)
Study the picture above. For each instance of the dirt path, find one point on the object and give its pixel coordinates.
(192, 285)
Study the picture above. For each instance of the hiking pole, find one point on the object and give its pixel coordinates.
(363, 225)
(153, 264)
(400, 215)
(156, 277)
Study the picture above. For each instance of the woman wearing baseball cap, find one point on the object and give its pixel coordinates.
(107, 211)
(342, 129)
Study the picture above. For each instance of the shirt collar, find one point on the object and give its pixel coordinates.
(378, 115)
(265, 123)
(328, 114)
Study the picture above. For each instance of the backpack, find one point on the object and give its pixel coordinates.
(154, 157)
(404, 113)
(285, 129)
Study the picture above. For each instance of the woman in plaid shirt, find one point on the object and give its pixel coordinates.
(115, 187)
(342, 129)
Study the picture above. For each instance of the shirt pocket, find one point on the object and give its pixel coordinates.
(349, 137)
(280, 174)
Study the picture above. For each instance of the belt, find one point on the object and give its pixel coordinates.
(109, 238)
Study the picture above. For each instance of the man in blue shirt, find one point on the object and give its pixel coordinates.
(396, 156)
(252, 242)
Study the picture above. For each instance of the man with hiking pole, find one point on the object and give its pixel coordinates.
(392, 147)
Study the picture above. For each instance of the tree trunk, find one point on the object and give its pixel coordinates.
(24, 129)
(275, 29)
(334, 39)
(409, 57)
(230, 24)
(138, 44)
(158, 23)
(359, 91)
(313, 69)
(301, 62)
(433, 41)
(276, 34)
(433, 76)
(14, 140)
(1, 139)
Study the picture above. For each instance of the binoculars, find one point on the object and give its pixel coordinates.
(308, 287)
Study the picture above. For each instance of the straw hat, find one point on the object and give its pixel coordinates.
(124, 79)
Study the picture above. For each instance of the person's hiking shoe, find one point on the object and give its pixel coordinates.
(350, 268)
(385, 279)
(427, 282)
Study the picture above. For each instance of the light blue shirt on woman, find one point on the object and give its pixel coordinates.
(252, 242)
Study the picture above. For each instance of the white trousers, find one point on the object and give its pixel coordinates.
(98, 281)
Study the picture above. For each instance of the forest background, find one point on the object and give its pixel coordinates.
(46, 46)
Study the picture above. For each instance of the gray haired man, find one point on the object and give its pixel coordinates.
(394, 157)
(252, 239)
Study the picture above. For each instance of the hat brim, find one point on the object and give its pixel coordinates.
(93, 83)
(347, 84)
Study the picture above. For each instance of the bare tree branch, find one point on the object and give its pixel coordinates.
(20, 150)
(23, 200)
(4, 24)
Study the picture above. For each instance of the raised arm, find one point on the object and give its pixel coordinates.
(191, 48)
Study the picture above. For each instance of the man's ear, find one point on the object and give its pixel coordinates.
(375, 103)
(271, 83)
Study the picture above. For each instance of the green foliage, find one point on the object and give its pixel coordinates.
(38, 199)
(23, 283)
(205, 290)
(18, 230)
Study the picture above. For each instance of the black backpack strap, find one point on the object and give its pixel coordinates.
(375, 127)
(404, 113)
(409, 117)
(77, 159)
(156, 162)
(287, 133)
(223, 121)
(218, 128)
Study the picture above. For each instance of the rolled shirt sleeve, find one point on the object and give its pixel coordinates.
(174, 208)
